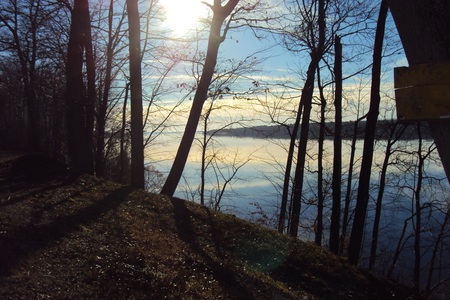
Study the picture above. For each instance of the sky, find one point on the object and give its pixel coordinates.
(278, 64)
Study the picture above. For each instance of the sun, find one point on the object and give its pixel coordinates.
(183, 15)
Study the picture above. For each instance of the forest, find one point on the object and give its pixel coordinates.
(98, 84)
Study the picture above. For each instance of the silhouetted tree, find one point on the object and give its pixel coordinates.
(137, 137)
(79, 98)
(337, 146)
(216, 37)
(356, 237)
(306, 101)
(32, 48)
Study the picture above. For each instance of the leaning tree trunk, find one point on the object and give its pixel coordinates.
(351, 166)
(354, 248)
(220, 13)
(287, 171)
(306, 100)
(378, 206)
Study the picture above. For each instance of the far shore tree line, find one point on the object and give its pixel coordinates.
(86, 82)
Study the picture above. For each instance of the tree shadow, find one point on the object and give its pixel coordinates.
(19, 243)
(33, 173)
(231, 282)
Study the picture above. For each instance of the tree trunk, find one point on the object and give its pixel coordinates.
(320, 140)
(204, 148)
(354, 249)
(79, 106)
(103, 102)
(287, 171)
(418, 224)
(91, 91)
(438, 240)
(337, 156)
(137, 137)
(346, 217)
(378, 206)
(424, 26)
(122, 155)
(220, 13)
(306, 100)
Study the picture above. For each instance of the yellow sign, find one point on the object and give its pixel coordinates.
(423, 91)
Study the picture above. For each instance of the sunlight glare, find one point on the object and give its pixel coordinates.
(182, 16)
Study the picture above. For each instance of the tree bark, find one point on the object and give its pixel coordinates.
(418, 214)
(354, 249)
(287, 171)
(378, 206)
(122, 155)
(137, 137)
(337, 145)
(306, 100)
(424, 29)
(103, 102)
(220, 13)
(320, 141)
(79, 104)
(351, 165)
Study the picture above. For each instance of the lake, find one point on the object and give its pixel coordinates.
(260, 178)
(254, 192)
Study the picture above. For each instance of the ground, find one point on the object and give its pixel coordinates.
(66, 235)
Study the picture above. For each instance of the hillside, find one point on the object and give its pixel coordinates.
(65, 235)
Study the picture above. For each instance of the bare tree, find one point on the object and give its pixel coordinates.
(137, 138)
(80, 105)
(216, 37)
(393, 138)
(33, 41)
(337, 146)
(306, 100)
(356, 237)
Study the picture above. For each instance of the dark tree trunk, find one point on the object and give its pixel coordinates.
(346, 215)
(34, 137)
(434, 256)
(287, 171)
(320, 141)
(359, 221)
(137, 137)
(91, 92)
(306, 100)
(204, 148)
(103, 102)
(337, 156)
(220, 13)
(378, 205)
(79, 103)
(122, 155)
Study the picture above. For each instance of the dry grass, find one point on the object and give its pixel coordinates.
(70, 236)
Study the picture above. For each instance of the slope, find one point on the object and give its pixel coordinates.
(65, 235)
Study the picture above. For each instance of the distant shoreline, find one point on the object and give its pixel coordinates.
(348, 129)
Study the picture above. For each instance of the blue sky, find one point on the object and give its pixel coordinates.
(281, 65)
